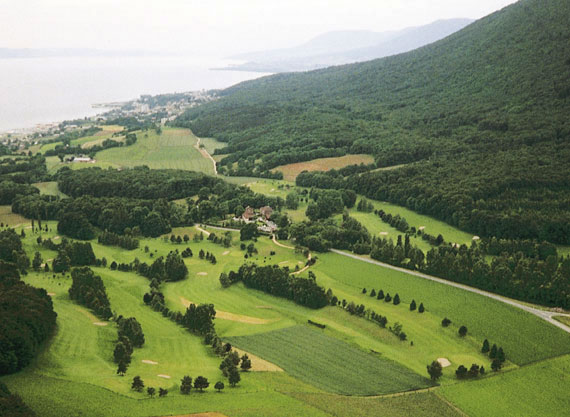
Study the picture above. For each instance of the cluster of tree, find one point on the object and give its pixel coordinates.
(529, 279)
(473, 372)
(88, 290)
(229, 366)
(28, 319)
(170, 269)
(323, 235)
(112, 239)
(187, 253)
(200, 384)
(396, 221)
(23, 172)
(225, 241)
(279, 282)
(365, 206)
(329, 202)
(11, 405)
(530, 248)
(130, 336)
(11, 249)
(208, 256)
(497, 355)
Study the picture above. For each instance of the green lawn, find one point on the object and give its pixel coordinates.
(49, 188)
(424, 404)
(328, 363)
(540, 389)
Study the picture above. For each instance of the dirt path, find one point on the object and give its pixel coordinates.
(281, 244)
(545, 315)
(291, 247)
(205, 154)
(202, 230)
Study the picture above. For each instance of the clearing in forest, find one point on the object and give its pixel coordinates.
(290, 171)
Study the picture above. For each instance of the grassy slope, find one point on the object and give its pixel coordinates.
(49, 188)
(174, 148)
(539, 389)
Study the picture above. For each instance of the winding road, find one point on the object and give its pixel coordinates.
(543, 314)
(206, 154)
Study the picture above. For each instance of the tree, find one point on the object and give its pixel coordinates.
(496, 365)
(364, 291)
(493, 352)
(421, 308)
(234, 376)
(201, 383)
(435, 370)
(225, 280)
(137, 384)
(219, 386)
(150, 391)
(501, 355)
(122, 368)
(61, 263)
(396, 299)
(37, 262)
(291, 201)
(132, 330)
(462, 331)
(461, 372)
(485, 347)
(162, 392)
(245, 363)
(413, 305)
(186, 385)
(388, 298)
(380, 295)
(373, 293)
(248, 231)
(445, 322)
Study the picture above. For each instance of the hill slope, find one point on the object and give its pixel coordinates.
(343, 47)
(482, 115)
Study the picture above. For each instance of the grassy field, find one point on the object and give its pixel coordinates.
(106, 133)
(78, 361)
(536, 390)
(525, 337)
(290, 171)
(424, 404)
(173, 149)
(49, 188)
(563, 319)
(211, 144)
(9, 218)
(329, 363)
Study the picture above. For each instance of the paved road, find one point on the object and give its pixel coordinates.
(543, 314)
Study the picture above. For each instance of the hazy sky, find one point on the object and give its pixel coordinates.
(219, 26)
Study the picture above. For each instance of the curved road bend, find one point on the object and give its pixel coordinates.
(543, 314)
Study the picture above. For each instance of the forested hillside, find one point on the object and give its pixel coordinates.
(481, 116)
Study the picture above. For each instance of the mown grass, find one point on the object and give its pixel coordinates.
(173, 149)
(328, 363)
(525, 337)
(290, 171)
(49, 188)
(536, 390)
(424, 404)
(9, 218)
(563, 319)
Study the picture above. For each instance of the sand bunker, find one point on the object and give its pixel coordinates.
(202, 273)
(51, 294)
(224, 315)
(149, 362)
(283, 262)
(100, 323)
(444, 362)
(163, 376)
(476, 238)
(421, 228)
(226, 252)
(258, 364)
(383, 233)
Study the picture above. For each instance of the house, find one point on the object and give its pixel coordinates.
(248, 214)
(266, 212)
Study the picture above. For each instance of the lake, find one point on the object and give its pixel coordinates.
(44, 90)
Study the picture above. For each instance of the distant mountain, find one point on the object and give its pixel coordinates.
(13, 53)
(480, 117)
(343, 47)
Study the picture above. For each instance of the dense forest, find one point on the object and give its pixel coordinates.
(27, 319)
(480, 117)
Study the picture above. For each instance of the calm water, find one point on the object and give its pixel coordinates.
(47, 90)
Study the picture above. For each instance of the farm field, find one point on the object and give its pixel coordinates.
(106, 133)
(211, 144)
(49, 188)
(329, 363)
(290, 171)
(9, 218)
(545, 384)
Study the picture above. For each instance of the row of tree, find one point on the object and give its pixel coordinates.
(88, 290)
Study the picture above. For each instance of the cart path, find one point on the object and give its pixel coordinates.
(206, 154)
(543, 314)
